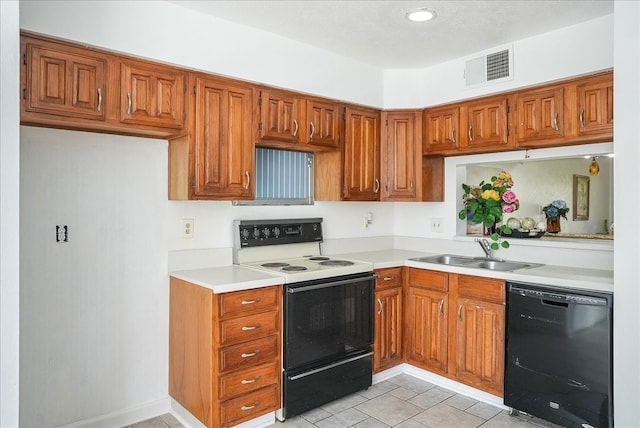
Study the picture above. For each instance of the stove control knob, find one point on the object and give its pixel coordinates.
(276, 231)
(256, 232)
(265, 232)
(244, 234)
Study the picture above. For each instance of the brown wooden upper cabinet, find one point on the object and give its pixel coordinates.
(151, 94)
(401, 156)
(595, 106)
(280, 117)
(62, 80)
(540, 116)
(322, 123)
(441, 130)
(485, 124)
(361, 169)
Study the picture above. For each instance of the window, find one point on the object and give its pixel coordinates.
(282, 178)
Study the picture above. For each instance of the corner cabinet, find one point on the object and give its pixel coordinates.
(224, 352)
(387, 343)
(361, 169)
(401, 156)
(216, 160)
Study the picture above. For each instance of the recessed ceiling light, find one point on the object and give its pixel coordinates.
(421, 15)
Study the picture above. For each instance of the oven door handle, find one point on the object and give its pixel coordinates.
(330, 366)
(330, 284)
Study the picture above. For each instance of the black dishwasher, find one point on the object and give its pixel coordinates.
(559, 354)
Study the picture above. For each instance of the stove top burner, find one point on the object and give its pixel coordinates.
(317, 258)
(336, 263)
(294, 268)
(275, 264)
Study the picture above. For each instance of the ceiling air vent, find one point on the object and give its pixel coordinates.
(493, 67)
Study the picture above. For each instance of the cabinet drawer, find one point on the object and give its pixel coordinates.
(249, 353)
(250, 406)
(248, 301)
(391, 277)
(240, 383)
(486, 289)
(433, 280)
(249, 327)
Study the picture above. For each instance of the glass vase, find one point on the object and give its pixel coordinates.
(489, 230)
(553, 225)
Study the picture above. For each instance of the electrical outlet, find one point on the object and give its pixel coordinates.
(187, 228)
(436, 225)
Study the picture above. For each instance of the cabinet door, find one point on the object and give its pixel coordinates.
(322, 124)
(279, 116)
(479, 346)
(387, 344)
(540, 116)
(152, 95)
(361, 179)
(595, 106)
(224, 148)
(62, 82)
(426, 333)
(486, 123)
(441, 130)
(401, 157)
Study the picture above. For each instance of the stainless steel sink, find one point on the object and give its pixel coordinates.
(476, 262)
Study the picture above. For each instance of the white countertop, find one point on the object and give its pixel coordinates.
(234, 278)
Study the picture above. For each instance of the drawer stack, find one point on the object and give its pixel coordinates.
(225, 352)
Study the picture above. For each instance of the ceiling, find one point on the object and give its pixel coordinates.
(378, 33)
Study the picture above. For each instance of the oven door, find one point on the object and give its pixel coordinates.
(328, 319)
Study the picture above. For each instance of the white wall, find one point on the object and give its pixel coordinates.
(571, 51)
(9, 215)
(626, 340)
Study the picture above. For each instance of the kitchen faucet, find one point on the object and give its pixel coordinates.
(486, 247)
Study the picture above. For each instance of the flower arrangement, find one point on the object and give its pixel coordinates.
(555, 209)
(487, 202)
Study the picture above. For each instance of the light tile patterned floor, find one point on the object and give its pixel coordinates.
(402, 401)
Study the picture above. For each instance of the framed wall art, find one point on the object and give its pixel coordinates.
(580, 197)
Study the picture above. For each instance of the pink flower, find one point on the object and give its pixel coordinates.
(509, 208)
(509, 197)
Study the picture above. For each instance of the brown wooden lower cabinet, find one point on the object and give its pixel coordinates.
(224, 352)
(455, 327)
(387, 344)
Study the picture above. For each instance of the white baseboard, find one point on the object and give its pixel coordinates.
(189, 421)
(125, 416)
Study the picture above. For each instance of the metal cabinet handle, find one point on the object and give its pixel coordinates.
(246, 186)
(441, 307)
(130, 103)
(248, 381)
(555, 121)
(411, 185)
(250, 354)
(376, 187)
(453, 134)
(313, 130)
(380, 310)
(251, 327)
(250, 302)
(388, 278)
(460, 312)
(256, 404)
(470, 132)
(295, 129)
(99, 108)
(581, 118)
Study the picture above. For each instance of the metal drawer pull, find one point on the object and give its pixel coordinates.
(248, 381)
(453, 135)
(295, 130)
(250, 302)
(251, 354)
(256, 404)
(389, 278)
(313, 130)
(581, 118)
(460, 312)
(130, 106)
(250, 327)
(555, 121)
(440, 307)
(380, 303)
(99, 108)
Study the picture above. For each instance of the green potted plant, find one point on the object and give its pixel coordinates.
(487, 202)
